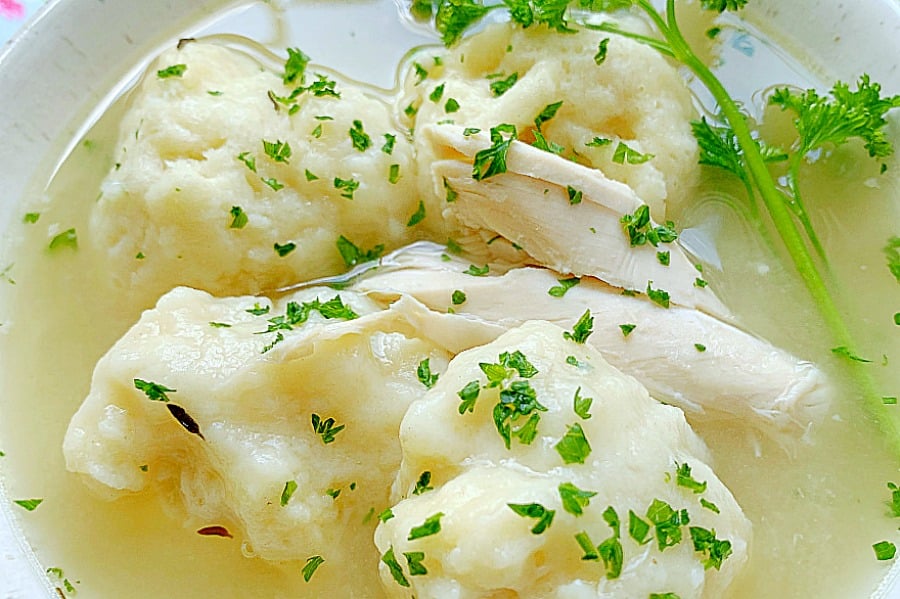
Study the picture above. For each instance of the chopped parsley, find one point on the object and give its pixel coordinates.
(389, 141)
(272, 182)
(664, 596)
(347, 187)
(709, 505)
(312, 564)
(470, 131)
(574, 500)
(294, 66)
(325, 428)
(284, 249)
(667, 523)
(219, 325)
(414, 562)
(154, 391)
(599, 142)
(458, 297)
(258, 310)
(59, 576)
(658, 296)
(450, 106)
(290, 487)
(31, 217)
(602, 48)
(575, 195)
(248, 159)
(395, 568)
(535, 511)
(698, 282)
(310, 176)
(715, 551)
(386, 515)
(700, 347)
(664, 258)
(884, 550)
(394, 174)
(417, 216)
(587, 547)
(492, 161)
(278, 151)
(624, 154)
(638, 529)
(501, 86)
(564, 285)
(892, 251)
(477, 271)
(431, 526)
(582, 405)
(358, 137)
(573, 448)
(424, 374)
(627, 329)
(845, 352)
(640, 230)
(68, 238)
(421, 72)
(542, 143)
(423, 484)
(176, 70)
(683, 478)
(468, 395)
(28, 504)
(353, 254)
(516, 400)
(547, 112)
(437, 93)
(582, 329)
(610, 550)
(239, 218)
(452, 194)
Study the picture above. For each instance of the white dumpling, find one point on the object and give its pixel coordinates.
(254, 410)
(625, 452)
(187, 142)
(634, 97)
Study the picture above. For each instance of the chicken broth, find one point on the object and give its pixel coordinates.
(817, 505)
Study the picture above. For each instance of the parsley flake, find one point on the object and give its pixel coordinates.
(884, 550)
(278, 151)
(658, 296)
(683, 478)
(418, 216)
(501, 86)
(564, 286)
(573, 448)
(624, 154)
(547, 112)
(640, 230)
(312, 564)
(290, 487)
(176, 70)
(582, 329)
(154, 391)
(390, 141)
(68, 238)
(477, 271)
(423, 372)
(347, 187)
(451, 106)
(638, 528)
(468, 395)
(575, 195)
(285, 249)
(414, 563)
(325, 428)
(430, 527)
(582, 405)
(353, 254)
(458, 297)
(294, 66)
(716, 551)
(602, 48)
(627, 329)
(239, 218)
(423, 484)
(492, 161)
(28, 504)
(535, 511)
(574, 500)
(395, 568)
(845, 352)
(359, 138)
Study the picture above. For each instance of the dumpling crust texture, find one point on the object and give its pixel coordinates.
(485, 548)
(255, 410)
(191, 155)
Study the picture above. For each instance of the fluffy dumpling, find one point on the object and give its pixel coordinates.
(634, 99)
(227, 180)
(287, 438)
(534, 469)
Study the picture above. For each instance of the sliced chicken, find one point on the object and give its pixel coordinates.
(566, 216)
(709, 368)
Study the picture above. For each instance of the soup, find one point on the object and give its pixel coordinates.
(815, 518)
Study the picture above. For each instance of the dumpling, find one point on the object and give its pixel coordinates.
(225, 182)
(535, 469)
(287, 438)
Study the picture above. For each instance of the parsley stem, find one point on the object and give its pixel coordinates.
(780, 213)
(797, 205)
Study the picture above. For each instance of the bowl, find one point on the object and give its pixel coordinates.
(76, 56)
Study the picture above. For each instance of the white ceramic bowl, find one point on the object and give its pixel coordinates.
(75, 53)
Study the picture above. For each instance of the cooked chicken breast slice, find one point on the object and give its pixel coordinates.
(709, 368)
(533, 205)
